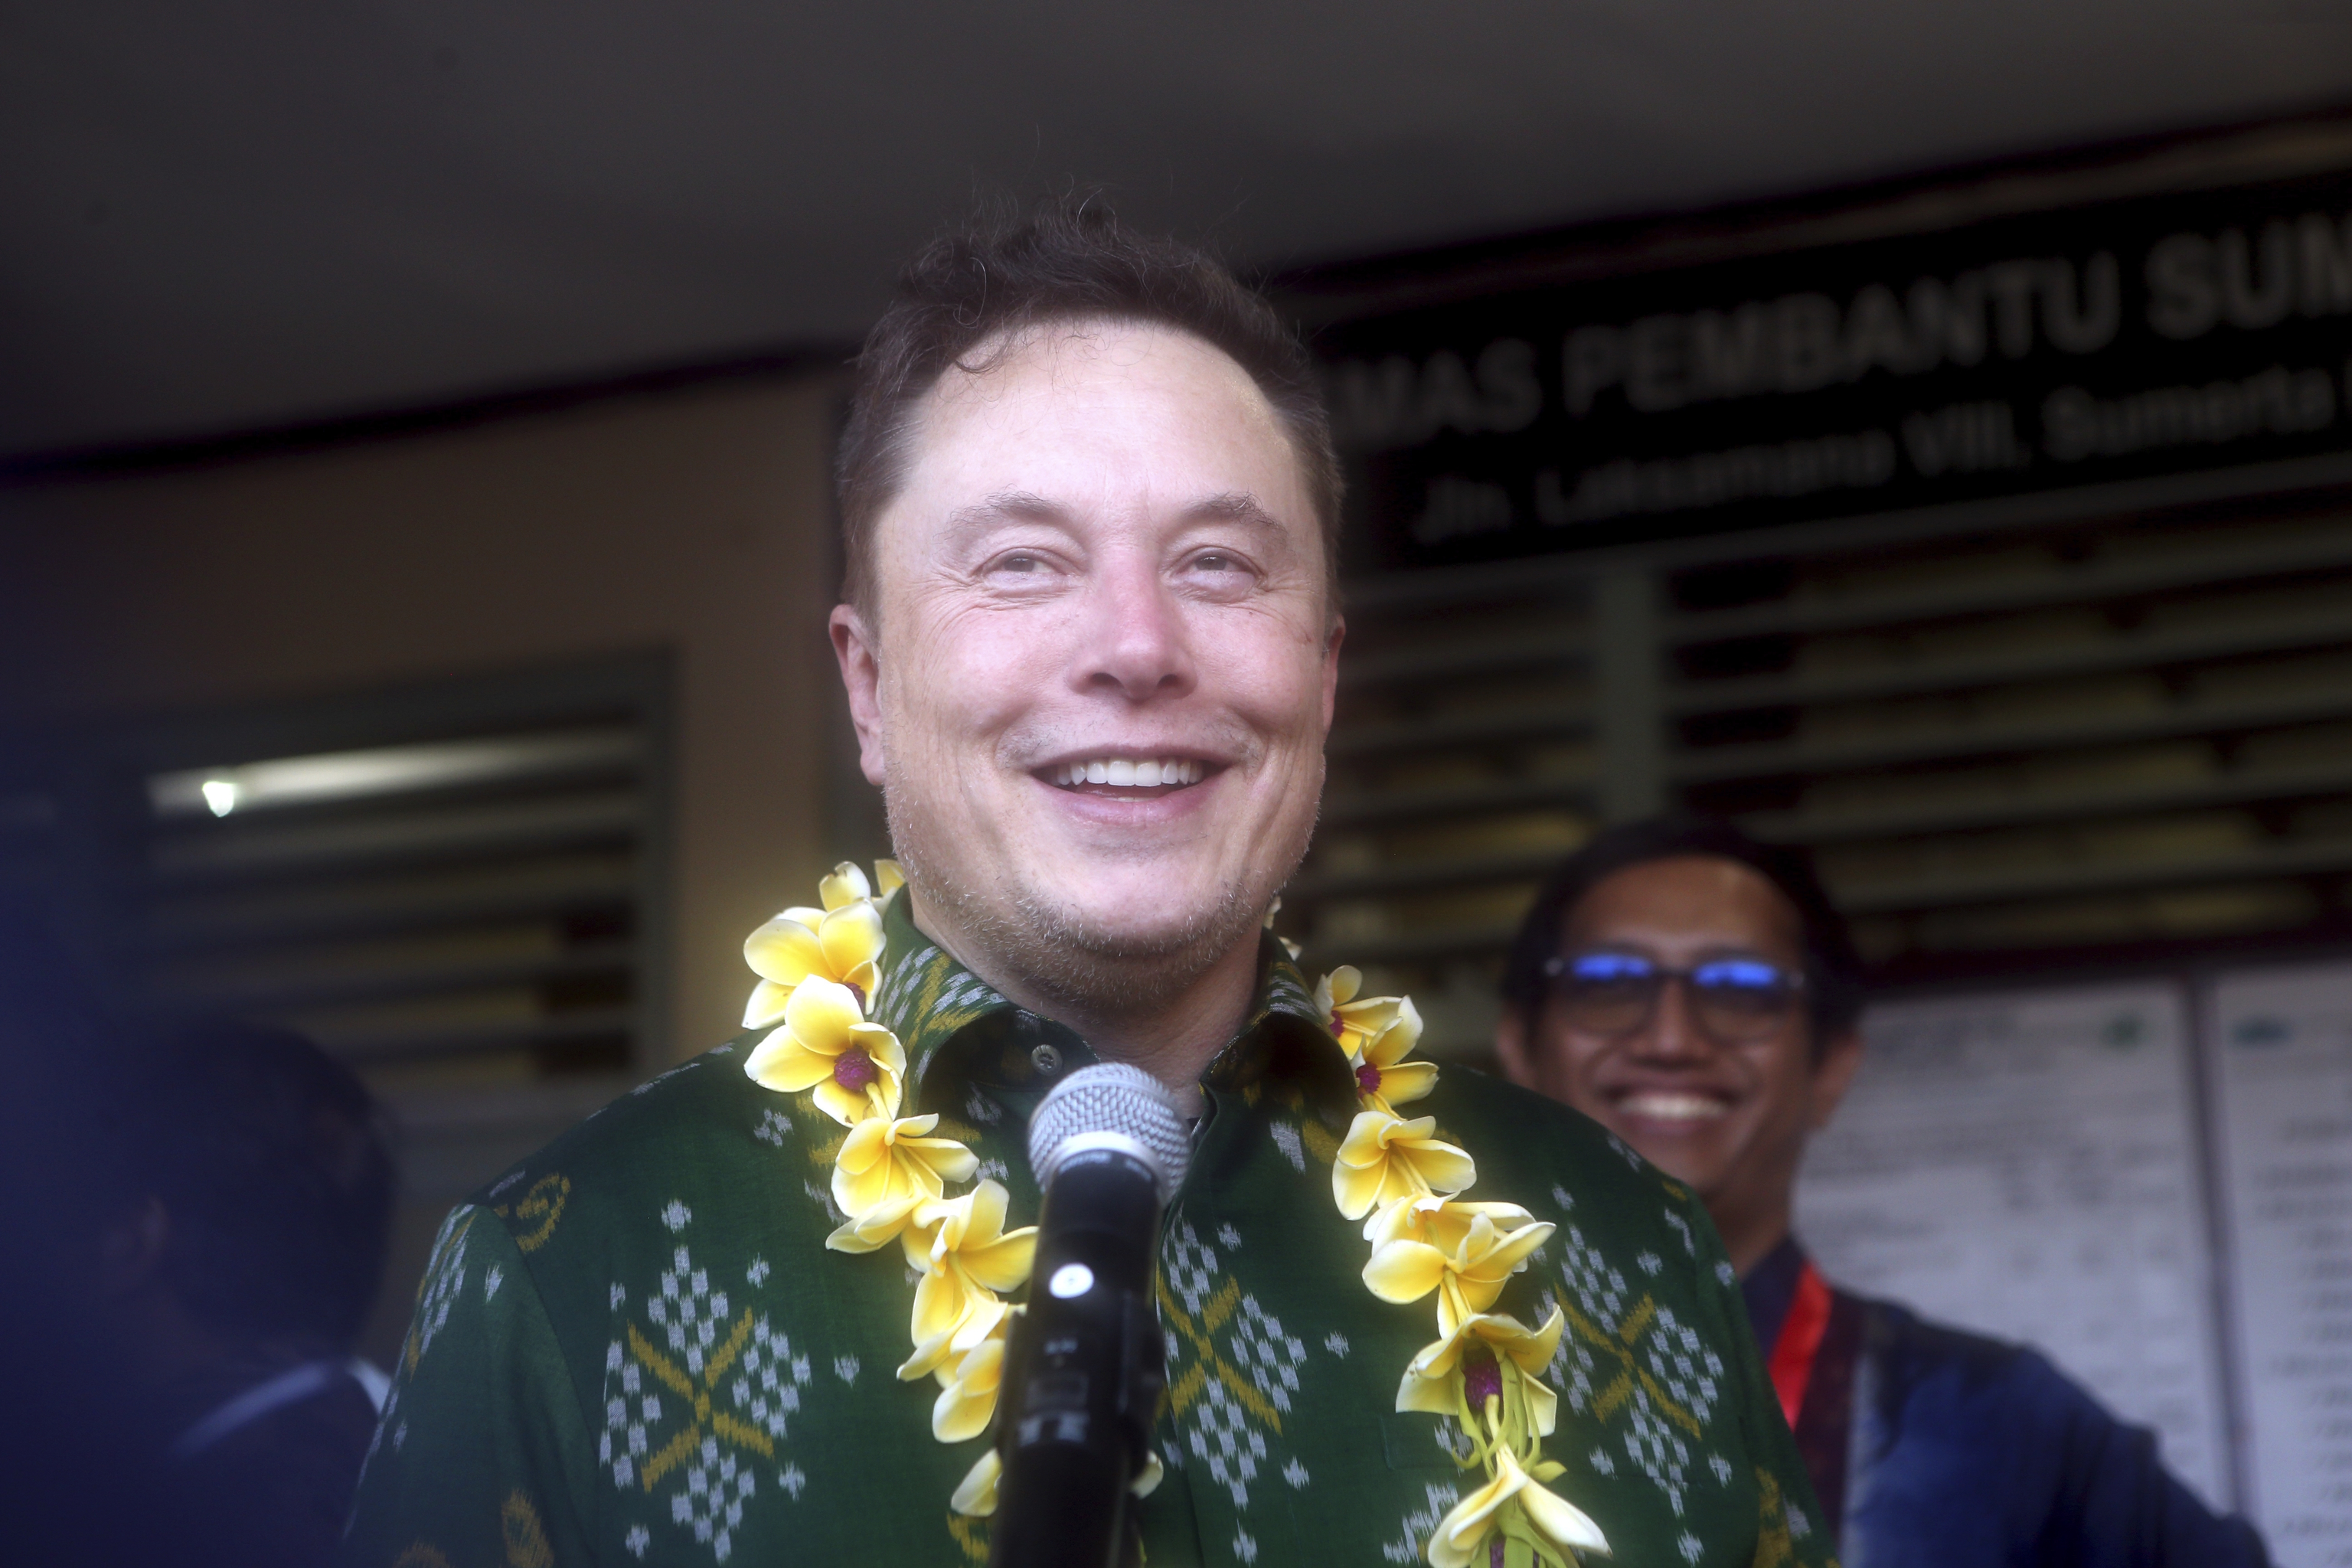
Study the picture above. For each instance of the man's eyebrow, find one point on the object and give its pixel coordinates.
(1005, 506)
(1233, 506)
(1026, 506)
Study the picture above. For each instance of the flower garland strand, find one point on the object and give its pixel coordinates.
(1484, 1369)
(819, 968)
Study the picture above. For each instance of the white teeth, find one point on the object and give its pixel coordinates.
(1119, 771)
(1662, 1107)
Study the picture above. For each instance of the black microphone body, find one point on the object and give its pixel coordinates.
(1084, 1368)
(1083, 1363)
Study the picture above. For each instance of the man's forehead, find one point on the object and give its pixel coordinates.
(1689, 903)
(1071, 372)
(1048, 424)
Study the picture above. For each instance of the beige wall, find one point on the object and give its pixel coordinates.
(693, 520)
(690, 520)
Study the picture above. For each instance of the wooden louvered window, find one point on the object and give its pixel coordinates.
(2126, 731)
(2008, 748)
(459, 888)
(452, 896)
(1462, 765)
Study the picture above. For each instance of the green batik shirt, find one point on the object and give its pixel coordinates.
(636, 1348)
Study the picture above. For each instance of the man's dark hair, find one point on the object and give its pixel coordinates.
(1833, 972)
(271, 1162)
(971, 292)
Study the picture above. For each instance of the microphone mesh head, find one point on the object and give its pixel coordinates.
(1112, 1097)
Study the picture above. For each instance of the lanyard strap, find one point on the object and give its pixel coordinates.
(1800, 1340)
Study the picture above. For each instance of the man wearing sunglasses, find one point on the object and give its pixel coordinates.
(1696, 993)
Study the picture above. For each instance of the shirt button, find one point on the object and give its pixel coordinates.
(1046, 1059)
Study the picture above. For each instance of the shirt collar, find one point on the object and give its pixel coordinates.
(956, 1028)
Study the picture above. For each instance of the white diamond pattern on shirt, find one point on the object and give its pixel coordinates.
(691, 1313)
(718, 1484)
(1271, 1357)
(1414, 1529)
(445, 1277)
(698, 1398)
(1223, 1435)
(1633, 1365)
(1234, 1371)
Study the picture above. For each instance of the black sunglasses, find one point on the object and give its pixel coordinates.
(1733, 1000)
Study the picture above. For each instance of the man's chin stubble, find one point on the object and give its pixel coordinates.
(1080, 964)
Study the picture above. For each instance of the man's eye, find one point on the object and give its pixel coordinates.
(1020, 564)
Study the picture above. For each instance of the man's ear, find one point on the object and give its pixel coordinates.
(854, 646)
(1832, 1074)
(1511, 1048)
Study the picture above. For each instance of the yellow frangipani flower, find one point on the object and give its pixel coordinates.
(1385, 1158)
(975, 1495)
(843, 945)
(847, 885)
(967, 1257)
(1430, 1379)
(1439, 1221)
(1468, 1274)
(825, 1044)
(1384, 1077)
(1515, 1505)
(1357, 1024)
(882, 1223)
(886, 1169)
(968, 1398)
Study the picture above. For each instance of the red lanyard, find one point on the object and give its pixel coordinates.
(1801, 1338)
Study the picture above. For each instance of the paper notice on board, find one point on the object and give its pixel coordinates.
(2026, 1165)
(2280, 1059)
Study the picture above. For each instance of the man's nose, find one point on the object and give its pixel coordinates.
(1136, 639)
(1671, 1034)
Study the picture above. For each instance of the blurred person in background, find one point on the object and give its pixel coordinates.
(240, 1264)
(1696, 993)
(81, 1449)
(193, 1222)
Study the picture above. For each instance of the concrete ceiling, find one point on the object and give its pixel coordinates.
(219, 216)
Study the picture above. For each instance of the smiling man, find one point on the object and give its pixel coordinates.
(1696, 993)
(1089, 639)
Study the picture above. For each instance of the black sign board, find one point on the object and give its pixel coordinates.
(2142, 337)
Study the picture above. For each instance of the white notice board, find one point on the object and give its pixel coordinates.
(2028, 1165)
(2279, 1060)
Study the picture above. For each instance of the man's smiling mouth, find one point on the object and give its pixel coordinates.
(1665, 1105)
(1124, 773)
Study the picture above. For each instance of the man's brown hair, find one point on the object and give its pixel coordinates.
(970, 293)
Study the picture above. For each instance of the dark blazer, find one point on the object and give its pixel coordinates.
(1935, 1449)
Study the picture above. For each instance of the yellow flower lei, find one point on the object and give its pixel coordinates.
(818, 970)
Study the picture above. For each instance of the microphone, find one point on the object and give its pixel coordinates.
(1084, 1366)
